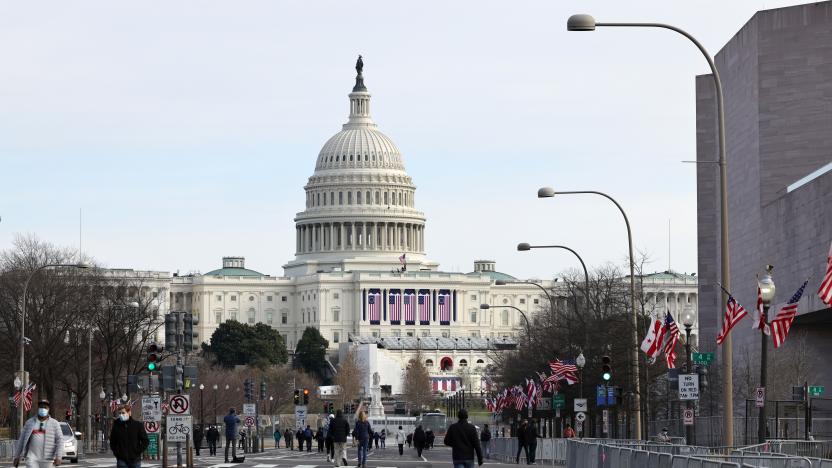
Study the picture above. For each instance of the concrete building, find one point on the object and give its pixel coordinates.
(777, 80)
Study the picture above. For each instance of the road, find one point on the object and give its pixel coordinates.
(283, 458)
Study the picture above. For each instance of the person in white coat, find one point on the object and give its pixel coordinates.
(400, 439)
(41, 441)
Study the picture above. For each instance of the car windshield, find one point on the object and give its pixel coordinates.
(66, 430)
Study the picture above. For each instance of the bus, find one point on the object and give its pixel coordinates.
(435, 421)
(391, 424)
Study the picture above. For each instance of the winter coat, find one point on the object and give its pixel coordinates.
(231, 421)
(362, 431)
(128, 440)
(400, 437)
(463, 440)
(339, 428)
(53, 442)
(485, 435)
(419, 438)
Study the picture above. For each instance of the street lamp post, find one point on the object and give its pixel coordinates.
(215, 403)
(201, 413)
(103, 396)
(580, 362)
(688, 319)
(548, 192)
(22, 413)
(767, 289)
(523, 314)
(587, 23)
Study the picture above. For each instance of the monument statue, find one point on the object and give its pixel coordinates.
(359, 65)
(376, 379)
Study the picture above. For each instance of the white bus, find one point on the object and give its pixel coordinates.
(391, 424)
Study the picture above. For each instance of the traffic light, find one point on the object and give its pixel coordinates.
(171, 332)
(153, 352)
(331, 408)
(305, 396)
(263, 390)
(297, 396)
(606, 368)
(188, 333)
(247, 385)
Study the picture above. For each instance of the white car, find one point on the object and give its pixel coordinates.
(70, 442)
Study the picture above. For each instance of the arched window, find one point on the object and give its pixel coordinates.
(358, 198)
(331, 198)
(429, 363)
(340, 198)
(377, 198)
(349, 198)
(318, 199)
(446, 364)
(385, 198)
(480, 361)
(369, 199)
(463, 363)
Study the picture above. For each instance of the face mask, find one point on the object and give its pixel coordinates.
(123, 417)
(43, 412)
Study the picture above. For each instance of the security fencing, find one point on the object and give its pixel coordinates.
(6, 449)
(549, 452)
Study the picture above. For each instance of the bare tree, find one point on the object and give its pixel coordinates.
(351, 377)
(416, 384)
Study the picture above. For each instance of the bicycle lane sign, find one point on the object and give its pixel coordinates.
(178, 428)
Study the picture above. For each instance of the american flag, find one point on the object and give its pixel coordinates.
(409, 308)
(403, 259)
(114, 404)
(563, 371)
(825, 289)
(395, 308)
(671, 336)
(374, 308)
(734, 312)
(531, 392)
(781, 322)
(27, 396)
(444, 307)
(519, 398)
(424, 309)
(760, 320)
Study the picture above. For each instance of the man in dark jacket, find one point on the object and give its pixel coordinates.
(464, 443)
(531, 442)
(128, 439)
(521, 440)
(212, 436)
(288, 436)
(198, 436)
(419, 439)
(339, 428)
(231, 422)
(485, 440)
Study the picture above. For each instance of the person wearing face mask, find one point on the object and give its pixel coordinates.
(41, 442)
(128, 439)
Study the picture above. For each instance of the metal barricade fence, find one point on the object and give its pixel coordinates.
(6, 449)
(549, 451)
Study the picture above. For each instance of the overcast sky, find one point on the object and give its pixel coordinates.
(186, 130)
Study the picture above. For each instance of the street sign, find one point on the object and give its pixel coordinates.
(180, 404)
(300, 416)
(151, 408)
(559, 401)
(688, 386)
(249, 409)
(544, 404)
(178, 428)
(580, 417)
(151, 427)
(249, 421)
(760, 397)
(580, 405)
(601, 395)
(153, 445)
(606, 420)
(816, 390)
(687, 415)
(703, 358)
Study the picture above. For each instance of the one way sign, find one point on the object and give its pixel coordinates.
(580, 405)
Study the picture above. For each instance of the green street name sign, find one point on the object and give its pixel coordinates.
(816, 390)
(703, 358)
(559, 401)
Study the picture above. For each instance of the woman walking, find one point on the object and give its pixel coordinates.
(400, 438)
(362, 434)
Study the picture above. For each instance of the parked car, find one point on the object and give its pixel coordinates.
(70, 442)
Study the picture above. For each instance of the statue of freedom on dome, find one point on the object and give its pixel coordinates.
(359, 65)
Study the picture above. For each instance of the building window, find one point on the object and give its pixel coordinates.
(475, 334)
(425, 332)
(410, 333)
(349, 198)
(522, 301)
(336, 337)
(336, 315)
(446, 334)
(314, 315)
(251, 298)
(369, 199)
(377, 198)
(219, 317)
(251, 316)
(233, 298)
(537, 301)
(269, 318)
(505, 318)
(155, 294)
(284, 317)
(480, 361)
(357, 198)
(429, 363)
(385, 198)
(282, 298)
(234, 316)
(375, 333)
(473, 316)
(473, 297)
(269, 298)
(505, 301)
(331, 198)
(397, 333)
(340, 198)
(335, 296)
(463, 363)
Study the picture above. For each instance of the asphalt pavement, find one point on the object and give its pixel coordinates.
(284, 458)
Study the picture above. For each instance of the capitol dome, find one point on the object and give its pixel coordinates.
(360, 211)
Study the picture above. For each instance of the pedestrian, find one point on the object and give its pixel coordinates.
(339, 428)
(288, 435)
(243, 441)
(419, 439)
(277, 436)
(462, 438)
(409, 440)
(531, 442)
(319, 437)
(307, 435)
(231, 422)
(376, 438)
(300, 438)
(362, 433)
(568, 433)
(198, 436)
(330, 445)
(383, 437)
(212, 437)
(400, 438)
(521, 439)
(41, 441)
(128, 439)
(485, 439)
(664, 436)
(429, 438)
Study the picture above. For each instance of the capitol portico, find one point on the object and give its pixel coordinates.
(361, 276)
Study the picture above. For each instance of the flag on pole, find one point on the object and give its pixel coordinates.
(760, 320)
(403, 261)
(671, 336)
(27, 398)
(781, 322)
(652, 343)
(563, 371)
(825, 289)
(734, 312)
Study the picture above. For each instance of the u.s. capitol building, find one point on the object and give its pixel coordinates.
(361, 275)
